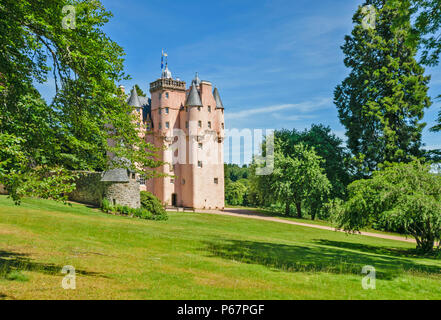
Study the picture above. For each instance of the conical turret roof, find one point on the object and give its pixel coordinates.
(219, 104)
(134, 99)
(193, 99)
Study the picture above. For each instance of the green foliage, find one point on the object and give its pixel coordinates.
(405, 197)
(152, 204)
(72, 131)
(381, 103)
(235, 192)
(328, 146)
(298, 179)
(142, 213)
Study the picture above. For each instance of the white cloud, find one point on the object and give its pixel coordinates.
(304, 107)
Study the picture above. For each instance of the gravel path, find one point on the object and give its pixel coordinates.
(243, 213)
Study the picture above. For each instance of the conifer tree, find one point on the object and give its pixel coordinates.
(382, 101)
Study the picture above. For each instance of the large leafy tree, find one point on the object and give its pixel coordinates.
(382, 101)
(405, 197)
(328, 146)
(46, 41)
(298, 179)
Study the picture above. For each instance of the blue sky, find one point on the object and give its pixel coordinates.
(276, 63)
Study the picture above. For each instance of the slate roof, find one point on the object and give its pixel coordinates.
(116, 175)
(219, 104)
(141, 102)
(193, 99)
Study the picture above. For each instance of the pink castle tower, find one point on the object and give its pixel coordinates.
(188, 126)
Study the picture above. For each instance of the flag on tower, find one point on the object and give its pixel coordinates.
(162, 60)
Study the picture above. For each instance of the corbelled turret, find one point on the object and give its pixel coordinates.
(218, 100)
(134, 99)
(193, 99)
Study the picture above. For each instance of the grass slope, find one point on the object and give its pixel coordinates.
(196, 256)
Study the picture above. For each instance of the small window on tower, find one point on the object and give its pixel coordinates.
(216, 180)
(166, 110)
(186, 124)
(209, 108)
(200, 124)
(223, 126)
(172, 181)
(199, 108)
(160, 125)
(209, 124)
(200, 164)
(166, 95)
(200, 146)
(160, 96)
(183, 181)
(159, 110)
(167, 125)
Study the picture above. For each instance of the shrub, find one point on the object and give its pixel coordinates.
(106, 206)
(152, 204)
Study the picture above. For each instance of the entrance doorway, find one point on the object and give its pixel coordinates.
(174, 200)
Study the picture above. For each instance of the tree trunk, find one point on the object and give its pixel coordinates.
(287, 208)
(299, 209)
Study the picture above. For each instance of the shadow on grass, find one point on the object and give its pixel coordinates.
(11, 262)
(292, 258)
(365, 248)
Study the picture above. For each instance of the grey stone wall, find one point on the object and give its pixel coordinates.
(91, 190)
(3, 190)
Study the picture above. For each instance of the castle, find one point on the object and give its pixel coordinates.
(188, 126)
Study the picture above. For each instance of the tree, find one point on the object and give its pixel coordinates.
(328, 146)
(406, 197)
(235, 193)
(297, 179)
(382, 101)
(72, 131)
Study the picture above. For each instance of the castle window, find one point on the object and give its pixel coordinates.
(200, 164)
(159, 110)
(199, 108)
(160, 96)
(200, 124)
(200, 146)
(166, 110)
(142, 182)
(149, 126)
(209, 108)
(223, 126)
(216, 180)
(166, 95)
(183, 181)
(167, 125)
(172, 181)
(209, 124)
(186, 124)
(160, 125)
(133, 176)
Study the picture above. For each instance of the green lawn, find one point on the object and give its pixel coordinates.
(196, 256)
